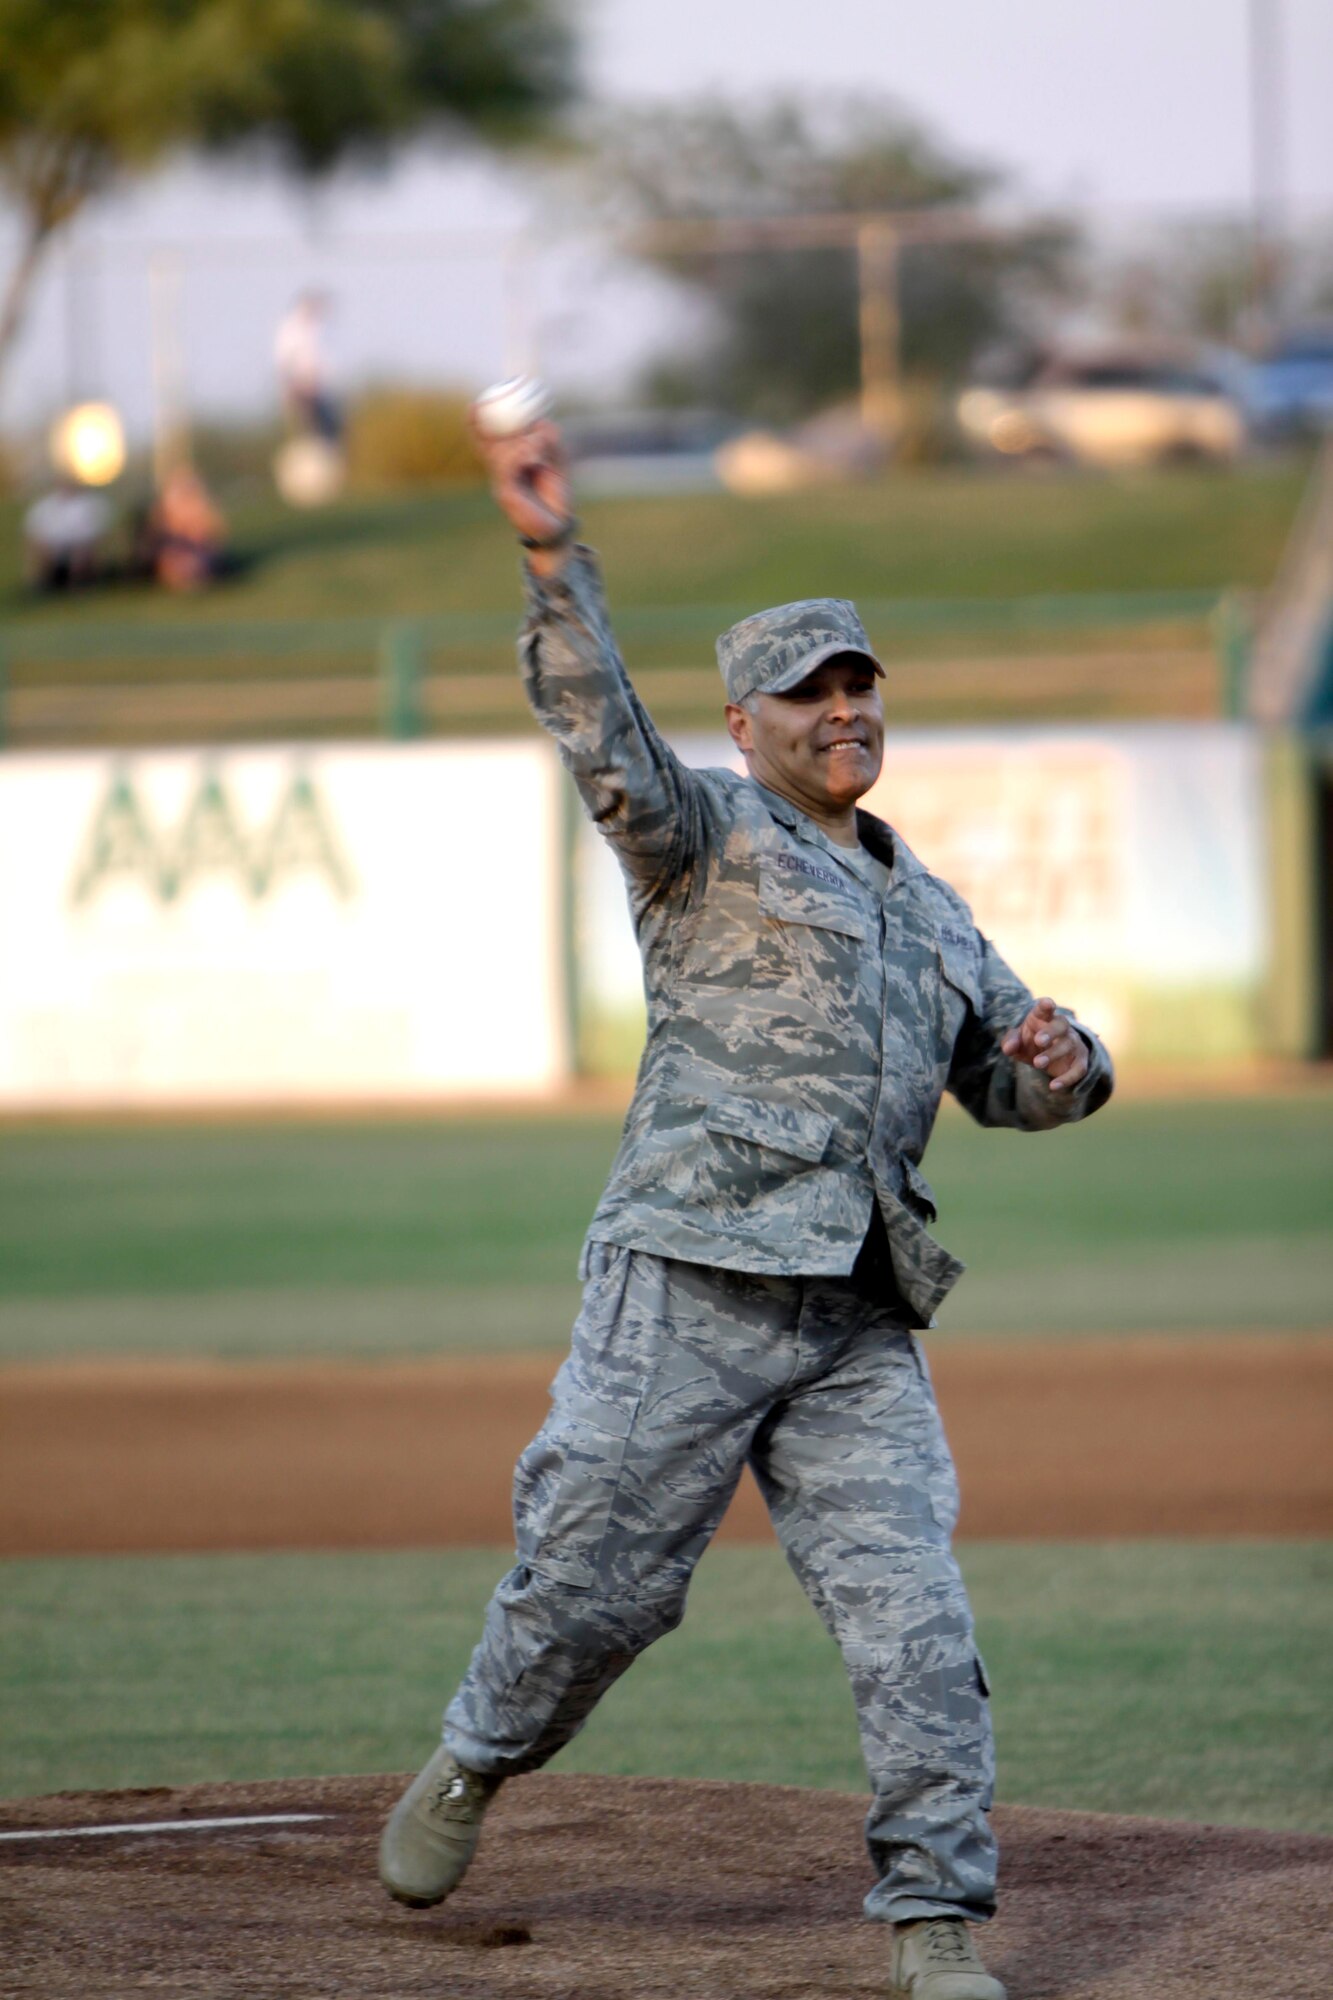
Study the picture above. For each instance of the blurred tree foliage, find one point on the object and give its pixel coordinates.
(785, 322)
(93, 90)
(1207, 279)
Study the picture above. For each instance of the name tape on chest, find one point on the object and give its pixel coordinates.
(796, 864)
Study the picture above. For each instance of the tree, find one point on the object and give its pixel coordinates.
(785, 321)
(94, 90)
(1209, 279)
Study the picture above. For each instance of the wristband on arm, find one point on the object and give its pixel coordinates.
(563, 535)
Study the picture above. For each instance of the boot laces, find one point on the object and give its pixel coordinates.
(945, 1942)
(450, 1798)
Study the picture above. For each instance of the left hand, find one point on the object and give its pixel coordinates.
(1051, 1043)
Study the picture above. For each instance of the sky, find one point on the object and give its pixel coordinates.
(1124, 102)
(1136, 109)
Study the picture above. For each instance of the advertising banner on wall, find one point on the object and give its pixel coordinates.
(1120, 868)
(360, 923)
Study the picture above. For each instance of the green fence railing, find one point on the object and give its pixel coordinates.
(391, 668)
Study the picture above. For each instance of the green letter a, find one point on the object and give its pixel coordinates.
(120, 842)
(300, 837)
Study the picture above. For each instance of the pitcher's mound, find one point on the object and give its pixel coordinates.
(629, 1889)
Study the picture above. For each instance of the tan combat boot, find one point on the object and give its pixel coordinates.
(432, 1832)
(935, 1959)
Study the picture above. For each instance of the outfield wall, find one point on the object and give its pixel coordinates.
(366, 923)
(1123, 869)
(411, 922)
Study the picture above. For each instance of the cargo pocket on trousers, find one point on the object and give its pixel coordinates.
(566, 1537)
(936, 1471)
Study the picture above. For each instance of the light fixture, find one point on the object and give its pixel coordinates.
(88, 444)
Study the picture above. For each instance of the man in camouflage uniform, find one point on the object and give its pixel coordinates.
(761, 1255)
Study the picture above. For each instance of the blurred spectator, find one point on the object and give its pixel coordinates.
(304, 374)
(63, 533)
(185, 534)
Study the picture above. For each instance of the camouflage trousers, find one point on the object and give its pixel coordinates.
(679, 1375)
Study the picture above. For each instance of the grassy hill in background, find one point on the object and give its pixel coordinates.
(931, 534)
(950, 568)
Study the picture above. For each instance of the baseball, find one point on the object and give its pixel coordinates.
(509, 407)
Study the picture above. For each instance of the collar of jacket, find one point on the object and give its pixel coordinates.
(877, 835)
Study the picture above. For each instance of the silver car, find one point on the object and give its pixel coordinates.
(1108, 409)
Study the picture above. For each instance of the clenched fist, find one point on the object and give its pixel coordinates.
(530, 481)
(1051, 1043)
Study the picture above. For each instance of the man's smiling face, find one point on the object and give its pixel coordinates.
(822, 742)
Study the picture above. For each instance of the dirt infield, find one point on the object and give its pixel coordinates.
(1135, 1436)
(631, 1889)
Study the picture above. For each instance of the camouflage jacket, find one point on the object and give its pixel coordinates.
(801, 1028)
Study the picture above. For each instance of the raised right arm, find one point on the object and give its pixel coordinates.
(635, 790)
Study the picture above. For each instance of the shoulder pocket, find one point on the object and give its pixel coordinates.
(784, 1128)
(960, 966)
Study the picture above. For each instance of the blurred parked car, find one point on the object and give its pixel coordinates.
(1108, 409)
(645, 451)
(1289, 390)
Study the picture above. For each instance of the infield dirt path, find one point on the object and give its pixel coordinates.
(1132, 1436)
(632, 1889)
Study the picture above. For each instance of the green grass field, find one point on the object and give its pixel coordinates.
(1184, 1681)
(463, 1235)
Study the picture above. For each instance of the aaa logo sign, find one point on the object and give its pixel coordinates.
(211, 838)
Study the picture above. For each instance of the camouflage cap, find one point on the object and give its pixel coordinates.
(773, 650)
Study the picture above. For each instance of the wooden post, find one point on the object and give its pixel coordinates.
(881, 328)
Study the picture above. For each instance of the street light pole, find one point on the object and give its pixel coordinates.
(171, 437)
(1266, 134)
(521, 347)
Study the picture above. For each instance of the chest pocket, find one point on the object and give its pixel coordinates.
(794, 897)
